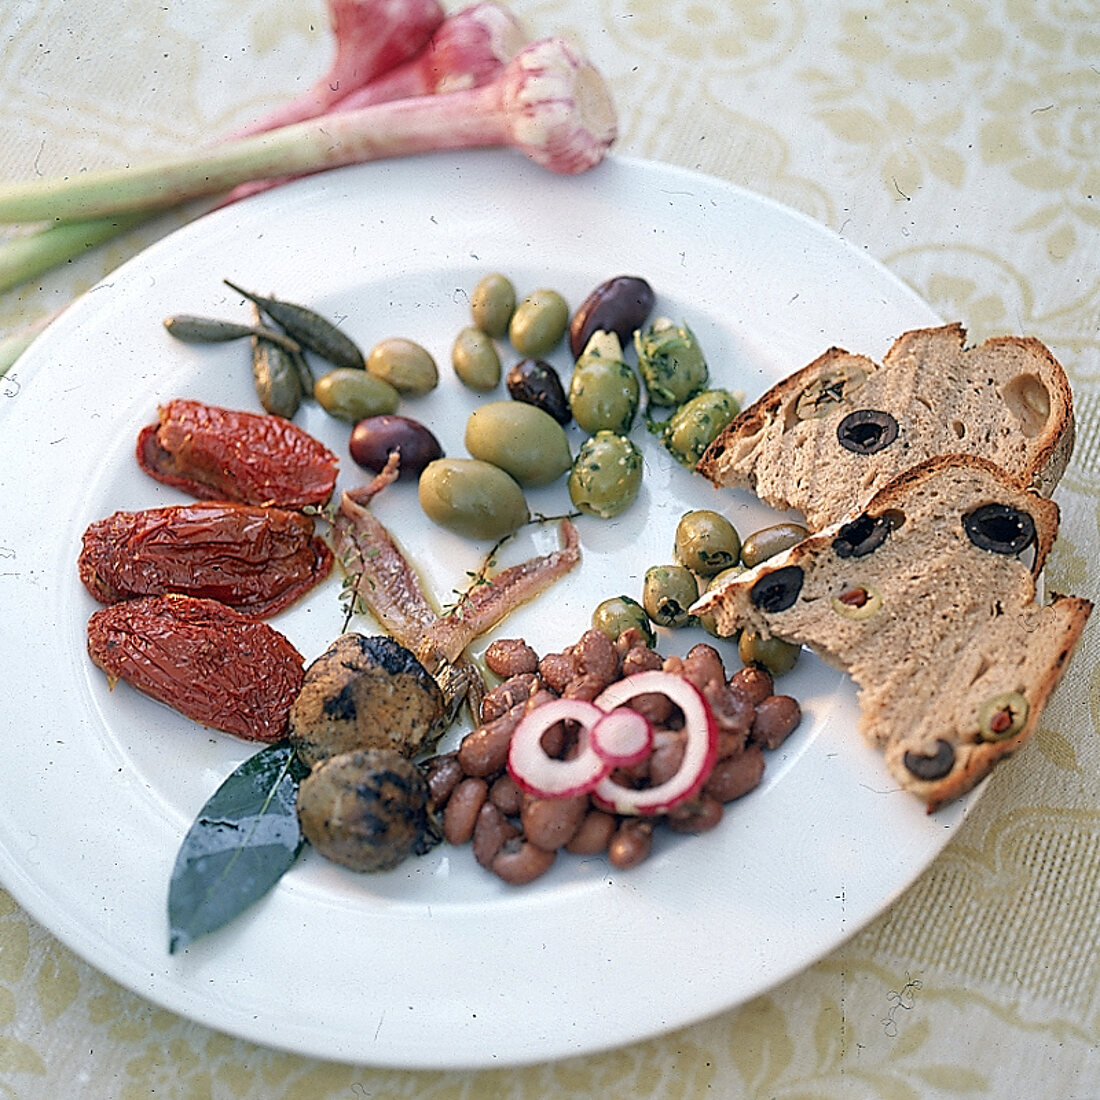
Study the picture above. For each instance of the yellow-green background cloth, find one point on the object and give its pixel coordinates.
(957, 141)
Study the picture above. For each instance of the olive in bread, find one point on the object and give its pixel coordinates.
(831, 434)
(927, 598)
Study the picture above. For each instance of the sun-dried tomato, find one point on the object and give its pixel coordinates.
(222, 454)
(209, 662)
(258, 560)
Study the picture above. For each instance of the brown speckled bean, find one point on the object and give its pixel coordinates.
(443, 773)
(630, 845)
(516, 689)
(595, 656)
(484, 751)
(666, 757)
(703, 665)
(506, 795)
(492, 831)
(586, 687)
(594, 834)
(551, 823)
(520, 862)
(736, 775)
(776, 719)
(556, 670)
(695, 816)
(510, 657)
(755, 682)
(460, 814)
(640, 658)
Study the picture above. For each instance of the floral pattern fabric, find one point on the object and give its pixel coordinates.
(954, 140)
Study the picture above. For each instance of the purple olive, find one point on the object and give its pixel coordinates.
(376, 437)
(619, 305)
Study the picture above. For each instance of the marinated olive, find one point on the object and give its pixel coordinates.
(523, 441)
(769, 541)
(621, 613)
(374, 439)
(620, 305)
(706, 542)
(667, 593)
(604, 391)
(691, 429)
(475, 359)
(773, 654)
(472, 498)
(539, 322)
(536, 382)
(606, 476)
(671, 362)
(405, 365)
(492, 304)
(351, 394)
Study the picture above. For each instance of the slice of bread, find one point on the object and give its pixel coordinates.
(928, 600)
(825, 439)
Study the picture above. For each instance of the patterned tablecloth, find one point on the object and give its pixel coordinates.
(954, 140)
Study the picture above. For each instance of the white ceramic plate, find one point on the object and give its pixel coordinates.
(435, 964)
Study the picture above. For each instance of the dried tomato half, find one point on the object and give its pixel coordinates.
(204, 659)
(257, 560)
(222, 454)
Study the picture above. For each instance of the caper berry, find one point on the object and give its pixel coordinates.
(606, 476)
(667, 593)
(769, 541)
(691, 429)
(539, 322)
(603, 392)
(475, 360)
(773, 654)
(522, 440)
(352, 394)
(275, 377)
(472, 498)
(620, 613)
(492, 304)
(706, 542)
(405, 365)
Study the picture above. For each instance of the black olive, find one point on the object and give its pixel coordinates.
(778, 590)
(867, 431)
(862, 536)
(537, 383)
(931, 767)
(999, 528)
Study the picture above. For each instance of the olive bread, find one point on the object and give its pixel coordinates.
(927, 599)
(830, 435)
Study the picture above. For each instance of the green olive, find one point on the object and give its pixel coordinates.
(606, 476)
(774, 654)
(604, 391)
(857, 601)
(475, 360)
(492, 304)
(691, 429)
(620, 613)
(706, 542)
(667, 593)
(351, 394)
(769, 541)
(709, 622)
(539, 322)
(1002, 716)
(671, 362)
(404, 365)
(472, 498)
(521, 439)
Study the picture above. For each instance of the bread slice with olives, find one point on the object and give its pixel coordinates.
(927, 598)
(831, 434)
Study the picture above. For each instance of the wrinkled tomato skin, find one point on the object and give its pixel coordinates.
(207, 661)
(257, 560)
(222, 454)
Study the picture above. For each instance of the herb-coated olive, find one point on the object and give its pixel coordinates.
(706, 542)
(620, 305)
(667, 593)
(475, 359)
(374, 439)
(492, 304)
(539, 322)
(536, 382)
(620, 613)
(522, 440)
(691, 429)
(604, 391)
(769, 541)
(472, 498)
(405, 365)
(774, 654)
(352, 394)
(606, 476)
(671, 362)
